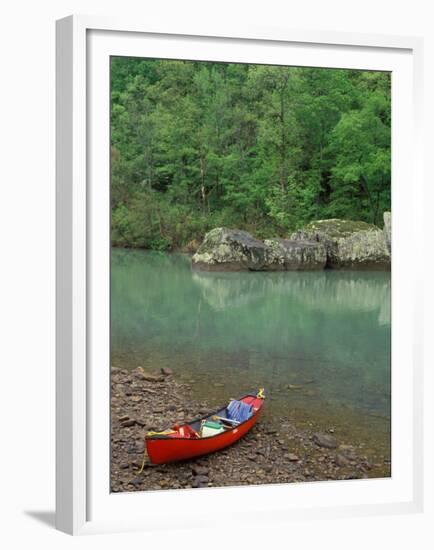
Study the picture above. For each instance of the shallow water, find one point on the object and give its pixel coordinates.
(319, 342)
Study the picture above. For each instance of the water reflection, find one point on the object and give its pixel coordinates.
(329, 330)
(327, 291)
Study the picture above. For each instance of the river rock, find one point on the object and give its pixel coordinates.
(200, 470)
(292, 457)
(199, 481)
(151, 377)
(325, 440)
(137, 481)
(349, 244)
(295, 255)
(341, 460)
(348, 451)
(262, 456)
(230, 250)
(166, 371)
(128, 423)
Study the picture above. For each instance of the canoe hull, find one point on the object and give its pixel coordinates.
(164, 450)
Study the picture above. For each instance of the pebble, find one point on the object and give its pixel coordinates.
(348, 452)
(199, 481)
(140, 446)
(200, 470)
(341, 460)
(151, 378)
(264, 455)
(292, 457)
(166, 371)
(136, 481)
(128, 423)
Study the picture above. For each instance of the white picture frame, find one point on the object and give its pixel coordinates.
(83, 500)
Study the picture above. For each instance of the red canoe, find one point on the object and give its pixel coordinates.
(185, 441)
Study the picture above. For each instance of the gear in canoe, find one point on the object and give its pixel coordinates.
(207, 434)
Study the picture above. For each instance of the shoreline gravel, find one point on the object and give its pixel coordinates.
(142, 401)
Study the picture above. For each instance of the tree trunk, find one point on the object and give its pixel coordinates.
(202, 182)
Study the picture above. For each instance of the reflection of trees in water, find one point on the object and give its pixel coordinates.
(228, 290)
(254, 328)
(157, 298)
(325, 291)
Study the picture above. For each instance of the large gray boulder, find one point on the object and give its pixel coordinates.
(295, 255)
(333, 243)
(349, 244)
(230, 250)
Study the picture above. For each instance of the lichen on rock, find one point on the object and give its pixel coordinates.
(387, 218)
(332, 243)
(295, 255)
(349, 244)
(226, 249)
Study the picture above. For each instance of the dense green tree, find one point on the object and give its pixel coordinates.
(265, 148)
(360, 148)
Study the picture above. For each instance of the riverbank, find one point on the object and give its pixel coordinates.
(141, 402)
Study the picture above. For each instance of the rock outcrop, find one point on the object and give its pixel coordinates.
(333, 243)
(295, 255)
(387, 229)
(349, 245)
(230, 250)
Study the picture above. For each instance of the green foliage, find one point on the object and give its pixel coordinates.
(263, 148)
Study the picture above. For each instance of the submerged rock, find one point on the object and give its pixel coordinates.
(349, 244)
(230, 250)
(325, 440)
(166, 371)
(348, 452)
(295, 255)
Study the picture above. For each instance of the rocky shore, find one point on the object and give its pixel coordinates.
(141, 402)
(323, 244)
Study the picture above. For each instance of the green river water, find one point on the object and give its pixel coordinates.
(319, 342)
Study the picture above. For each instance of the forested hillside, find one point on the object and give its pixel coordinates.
(197, 145)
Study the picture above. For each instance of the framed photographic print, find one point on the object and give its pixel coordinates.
(236, 314)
